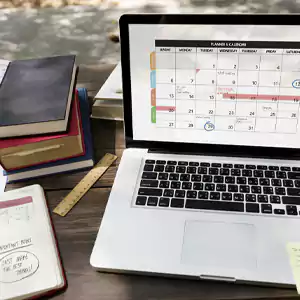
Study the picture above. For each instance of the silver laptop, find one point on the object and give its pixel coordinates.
(209, 185)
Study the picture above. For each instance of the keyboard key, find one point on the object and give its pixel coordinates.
(207, 178)
(224, 172)
(227, 166)
(264, 181)
(204, 164)
(274, 199)
(141, 200)
(180, 169)
(178, 203)
(279, 191)
(149, 175)
(186, 185)
(258, 173)
(262, 167)
(266, 208)
(238, 197)
(202, 170)
(174, 177)
(172, 162)
(160, 162)
(183, 163)
(221, 187)
(297, 183)
(193, 164)
(293, 192)
(241, 180)
(244, 189)
(252, 207)
(268, 190)
(149, 183)
(163, 176)
(250, 198)
(262, 198)
(196, 178)
(213, 171)
(209, 187)
(251, 167)
(291, 210)
(170, 169)
(253, 181)
(185, 177)
(285, 168)
(256, 189)
(191, 170)
(294, 175)
(203, 195)
(164, 184)
(288, 183)
(214, 196)
(239, 166)
(296, 169)
(150, 192)
(152, 201)
(148, 167)
(278, 211)
(276, 182)
(281, 174)
(191, 194)
(150, 161)
(168, 193)
(216, 165)
(164, 202)
(180, 193)
(229, 179)
(270, 174)
(247, 173)
(291, 200)
(233, 188)
(215, 205)
(273, 168)
(198, 186)
(159, 168)
(227, 196)
(218, 179)
(235, 172)
(175, 184)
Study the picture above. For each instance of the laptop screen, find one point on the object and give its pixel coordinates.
(216, 84)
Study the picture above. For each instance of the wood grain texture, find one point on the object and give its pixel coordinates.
(77, 231)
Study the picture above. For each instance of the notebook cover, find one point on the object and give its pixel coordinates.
(85, 111)
(36, 90)
(73, 131)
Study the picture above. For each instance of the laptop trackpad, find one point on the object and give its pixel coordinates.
(219, 244)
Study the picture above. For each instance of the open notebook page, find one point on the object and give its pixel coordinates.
(29, 262)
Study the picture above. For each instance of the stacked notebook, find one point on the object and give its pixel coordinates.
(30, 264)
(44, 121)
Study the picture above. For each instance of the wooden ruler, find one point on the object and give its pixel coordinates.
(84, 185)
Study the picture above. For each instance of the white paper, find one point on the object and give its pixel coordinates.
(3, 67)
(3, 180)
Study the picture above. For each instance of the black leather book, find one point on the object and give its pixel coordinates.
(35, 96)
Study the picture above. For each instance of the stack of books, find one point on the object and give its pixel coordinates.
(44, 120)
(109, 100)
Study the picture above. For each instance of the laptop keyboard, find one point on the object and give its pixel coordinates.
(254, 189)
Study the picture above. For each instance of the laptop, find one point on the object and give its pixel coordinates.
(209, 184)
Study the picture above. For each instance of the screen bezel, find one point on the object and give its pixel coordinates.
(199, 148)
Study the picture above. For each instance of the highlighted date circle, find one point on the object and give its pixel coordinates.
(296, 83)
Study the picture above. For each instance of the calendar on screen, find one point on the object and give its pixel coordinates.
(226, 85)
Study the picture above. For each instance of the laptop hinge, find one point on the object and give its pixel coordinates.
(218, 278)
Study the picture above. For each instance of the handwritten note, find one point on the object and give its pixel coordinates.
(3, 67)
(294, 255)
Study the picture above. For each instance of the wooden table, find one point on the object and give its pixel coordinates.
(77, 231)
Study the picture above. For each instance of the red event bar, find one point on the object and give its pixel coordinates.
(165, 108)
(15, 202)
(261, 97)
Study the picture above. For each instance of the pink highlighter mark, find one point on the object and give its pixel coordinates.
(259, 97)
(197, 70)
(15, 202)
(165, 108)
